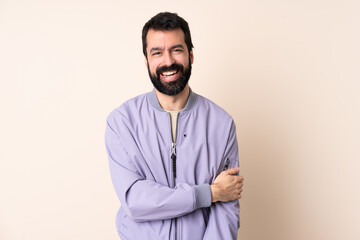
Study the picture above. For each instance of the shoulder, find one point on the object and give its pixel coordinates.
(127, 109)
(212, 109)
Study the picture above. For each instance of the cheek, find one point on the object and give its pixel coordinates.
(153, 69)
(184, 60)
(153, 65)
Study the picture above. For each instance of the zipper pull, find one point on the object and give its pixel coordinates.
(227, 162)
(173, 157)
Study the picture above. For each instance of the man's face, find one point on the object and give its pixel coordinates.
(168, 60)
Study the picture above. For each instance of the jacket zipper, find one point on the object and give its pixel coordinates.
(173, 158)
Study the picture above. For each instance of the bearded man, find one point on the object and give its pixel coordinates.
(173, 154)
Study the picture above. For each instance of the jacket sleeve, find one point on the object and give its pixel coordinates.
(144, 199)
(224, 219)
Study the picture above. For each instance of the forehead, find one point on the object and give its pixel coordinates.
(163, 39)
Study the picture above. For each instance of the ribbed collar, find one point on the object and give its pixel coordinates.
(189, 104)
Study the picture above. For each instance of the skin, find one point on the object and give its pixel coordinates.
(163, 49)
(227, 186)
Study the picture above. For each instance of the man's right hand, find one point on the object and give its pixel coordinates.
(227, 186)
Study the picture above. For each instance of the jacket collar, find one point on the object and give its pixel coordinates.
(189, 104)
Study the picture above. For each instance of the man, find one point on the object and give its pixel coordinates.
(172, 153)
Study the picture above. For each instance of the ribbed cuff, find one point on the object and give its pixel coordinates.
(202, 195)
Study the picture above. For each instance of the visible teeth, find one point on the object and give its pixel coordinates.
(169, 73)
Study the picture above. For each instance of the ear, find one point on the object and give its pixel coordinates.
(191, 56)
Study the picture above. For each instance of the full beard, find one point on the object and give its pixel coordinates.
(174, 87)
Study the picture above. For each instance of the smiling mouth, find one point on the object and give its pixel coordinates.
(170, 76)
(169, 73)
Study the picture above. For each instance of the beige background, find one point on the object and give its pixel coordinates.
(287, 71)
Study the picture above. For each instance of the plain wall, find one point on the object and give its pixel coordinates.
(287, 71)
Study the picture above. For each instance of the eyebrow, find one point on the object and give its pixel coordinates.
(173, 47)
(177, 46)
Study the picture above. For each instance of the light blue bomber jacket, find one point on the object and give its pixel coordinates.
(164, 187)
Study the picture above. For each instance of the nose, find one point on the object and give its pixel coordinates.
(168, 59)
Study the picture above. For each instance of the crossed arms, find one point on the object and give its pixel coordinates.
(131, 188)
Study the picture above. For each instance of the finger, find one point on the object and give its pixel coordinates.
(235, 196)
(232, 171)
(240, 179)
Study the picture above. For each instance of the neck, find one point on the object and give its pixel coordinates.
(173, 103)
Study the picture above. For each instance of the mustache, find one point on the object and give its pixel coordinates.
(169, 68)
